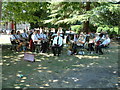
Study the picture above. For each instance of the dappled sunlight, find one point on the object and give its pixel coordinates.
(24, 78)
(46, 85)
(17, 87)
(22, 81)
(5, 78)
(27, 85)
(40, 70)
(42, 67)
(55, 80)
(65, 81)
(86, 56)
(20, 55)
(28, 65)
(80, 65)
(37, 60)
(46, 54)
(10, 76)
(1, 64)
(19, 71)
(49, 71)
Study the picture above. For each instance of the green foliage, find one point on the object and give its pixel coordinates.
(107, 14)
(102, 15)
(32, 12)
(110, 30)
(77, 28)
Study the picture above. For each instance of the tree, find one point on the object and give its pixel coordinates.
(31, 12)
(0, 9)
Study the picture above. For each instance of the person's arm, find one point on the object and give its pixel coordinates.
(82, 42)
(53, 44)
(107, 42)
(61, 41)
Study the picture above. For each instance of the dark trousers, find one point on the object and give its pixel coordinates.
(99, 49)
(76, 48)
(44, 47)
(90, 46)
(56, 50)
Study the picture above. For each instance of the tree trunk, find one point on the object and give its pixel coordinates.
(15, 25)
(0, 9)
(86, 23)
(0, 13)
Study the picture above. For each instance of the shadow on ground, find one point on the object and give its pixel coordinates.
(48, 71)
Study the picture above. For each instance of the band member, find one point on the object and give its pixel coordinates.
(25, 35)
(35, 40)
(44, 42)
(104, 44)
(39, 35)
(57, 44)
(35, 37)
(80, 42)
(19, 36)
(74, 45)
(14, 40)
(91, 44)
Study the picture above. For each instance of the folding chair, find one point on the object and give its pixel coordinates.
(106, 49)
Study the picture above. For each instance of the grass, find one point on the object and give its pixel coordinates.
(49, 71)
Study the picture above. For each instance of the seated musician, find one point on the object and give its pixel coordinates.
(104, 44)
(35, 37)
(91, 44)
(23, 42)
(35, 40)
(14, 40)
(25, 35)
(19, 36)
(57, 44)
(74, 45)
(79, 43)
(44, 42)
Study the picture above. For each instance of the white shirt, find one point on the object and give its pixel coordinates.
(80, 44)
(106, 41)
(75, 39)
(39, 35)
(18, 36)
(60, 41)
(24, 35)
(97, 38)
(34, 37)
(43, 36)
(12, 37)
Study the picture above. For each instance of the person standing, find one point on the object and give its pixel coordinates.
(57, 44)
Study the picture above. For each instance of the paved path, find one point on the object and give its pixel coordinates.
(4, 39)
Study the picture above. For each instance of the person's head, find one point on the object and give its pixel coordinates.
(24, 31)
(13, 32)
(81, 35)
(58, 34)
(107, 36)
(35, 32)
(38, 31)
(101, 35)
(18, 32)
